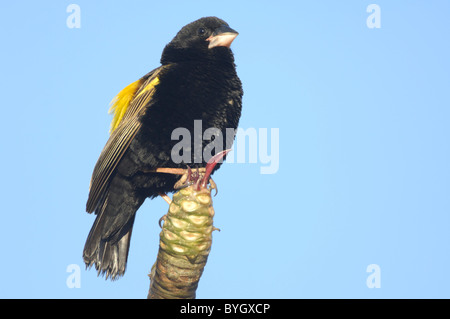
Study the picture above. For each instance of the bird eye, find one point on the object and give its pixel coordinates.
(201, 31)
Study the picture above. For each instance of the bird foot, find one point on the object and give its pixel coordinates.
(199, 176)
(162, 219)
(190, 177)
(194, 176)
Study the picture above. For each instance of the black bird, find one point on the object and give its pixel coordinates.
(197, 80)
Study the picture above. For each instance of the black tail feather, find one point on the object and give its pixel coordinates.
(108, 255)
(108, 241)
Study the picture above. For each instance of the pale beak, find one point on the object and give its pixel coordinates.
(222, 37)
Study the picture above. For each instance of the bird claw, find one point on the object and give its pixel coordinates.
(213, 185)
(183, 181)
(190, 177)
(195, 176)
(200, 176)
(162, 219)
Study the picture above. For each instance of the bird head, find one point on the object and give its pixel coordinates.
(200, 39)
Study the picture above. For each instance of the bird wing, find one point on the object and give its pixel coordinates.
(128, 106)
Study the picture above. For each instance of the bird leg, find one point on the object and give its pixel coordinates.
(209, 168)
(186, 174)
(170, 170)
(200, 176)
(195, 177)
(185, 179)
(165, 197)
(189, 178)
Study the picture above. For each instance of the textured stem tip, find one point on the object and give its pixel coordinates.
(185, 239)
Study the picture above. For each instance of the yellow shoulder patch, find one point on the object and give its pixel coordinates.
(149, 86)
(121, 102)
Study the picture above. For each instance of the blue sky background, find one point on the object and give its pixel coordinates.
(363, 116)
